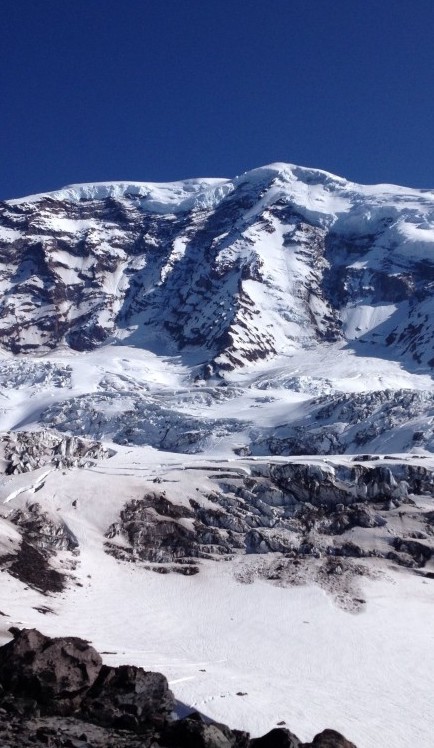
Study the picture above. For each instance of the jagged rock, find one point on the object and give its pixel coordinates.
(25, 451)
(338, 522)
(41, 530)
(128, 697)
(152, 527)
(56, 673)
(42, 536)
(296, 509)
(69, 732)
(419, 552)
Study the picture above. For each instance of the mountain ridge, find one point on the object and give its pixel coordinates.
(110, 188)
(316, 257)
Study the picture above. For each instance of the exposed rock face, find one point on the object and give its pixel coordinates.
(194, 732)
(330, 739)
(42, 536)
(278, 738)
(41, 530)
(33, 568)
(329, 484)
(303, 522)
(300, 510)
(154, 528)
(56, 692)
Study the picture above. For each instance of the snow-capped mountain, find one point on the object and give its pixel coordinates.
(238, 371)
(295, 287)
(237, 270)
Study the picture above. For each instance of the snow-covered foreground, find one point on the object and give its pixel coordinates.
(249, 654)
(290, 651)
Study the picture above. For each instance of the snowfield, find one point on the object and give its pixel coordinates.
(217, 442)
(291, 651)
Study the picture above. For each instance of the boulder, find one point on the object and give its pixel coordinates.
(128, 697)
(56, 673)
(330, 739)
(195, 732)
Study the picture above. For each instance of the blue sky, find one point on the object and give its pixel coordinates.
(155, 90)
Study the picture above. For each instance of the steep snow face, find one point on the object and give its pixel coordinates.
(227, 272)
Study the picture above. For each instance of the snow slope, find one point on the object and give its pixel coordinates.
(290, 651)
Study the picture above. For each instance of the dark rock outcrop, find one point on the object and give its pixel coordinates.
(280, 737)
(128, 697)
(195, 732)
(31, 565)
(56, 673)
(41, 537)
(41, 530)
(291, 508)
(329, 739)
(155, 533)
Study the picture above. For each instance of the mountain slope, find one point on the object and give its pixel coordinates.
(216, 438)
(224, 271)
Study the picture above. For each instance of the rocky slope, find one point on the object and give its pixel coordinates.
(287, 522)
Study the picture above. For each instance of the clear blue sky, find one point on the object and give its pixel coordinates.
(155, 90)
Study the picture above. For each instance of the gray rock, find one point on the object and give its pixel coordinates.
(128, 697)
(194, 732)
(329, 739)
(54, 672)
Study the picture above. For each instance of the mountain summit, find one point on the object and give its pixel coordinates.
(222, 271)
